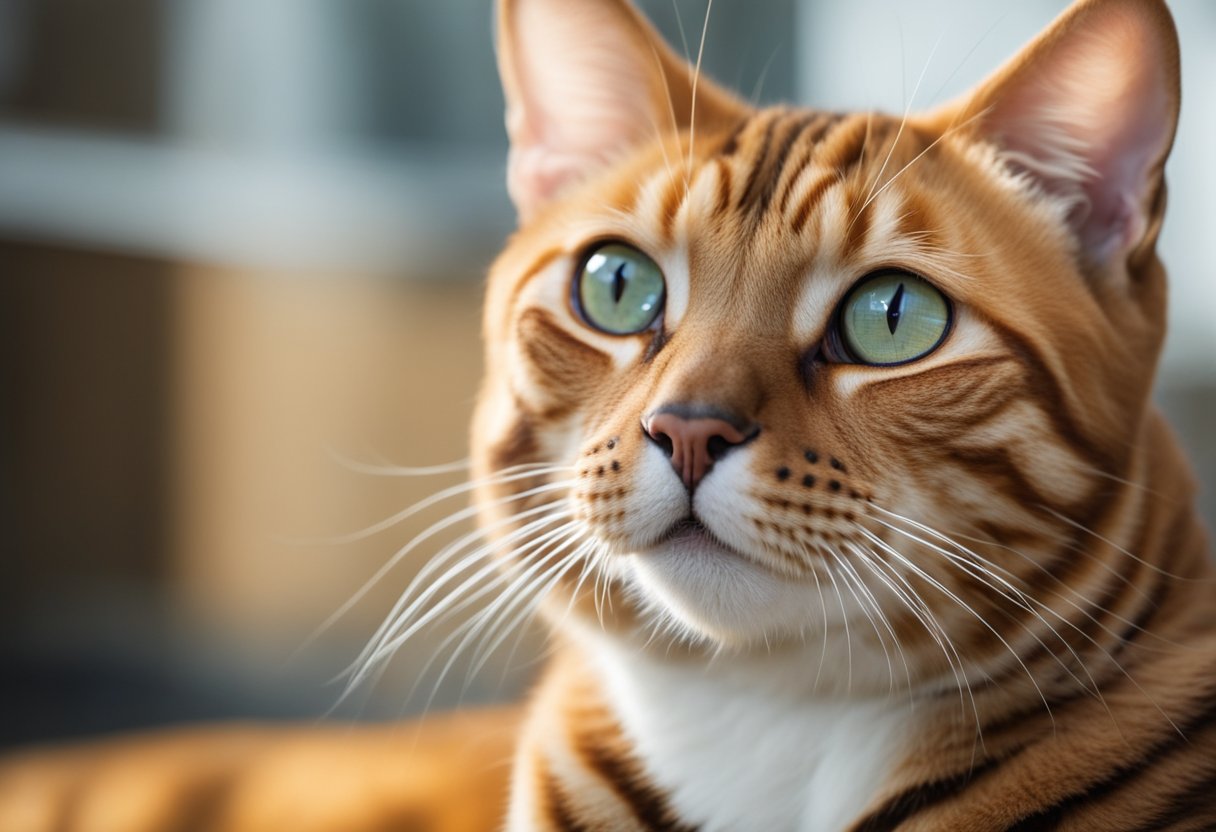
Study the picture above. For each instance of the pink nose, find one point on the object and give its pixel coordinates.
(693, 444)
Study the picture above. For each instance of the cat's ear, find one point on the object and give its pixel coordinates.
(586, 80)
(1089, 110)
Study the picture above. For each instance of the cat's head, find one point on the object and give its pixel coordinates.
(783, 371)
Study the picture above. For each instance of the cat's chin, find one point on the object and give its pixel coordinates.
(718, 593)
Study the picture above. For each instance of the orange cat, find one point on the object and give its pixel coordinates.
(828, 439)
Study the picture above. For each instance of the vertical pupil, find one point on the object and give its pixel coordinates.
(895, 306)
(618, 282)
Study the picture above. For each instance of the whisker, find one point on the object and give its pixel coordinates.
(1151, 566)
(359, 467)
(847, 573)
(844, 615)
(424, 535)
(692, 109)
(403, 625)
(882, 544)
(920, 610)
(437, 497)
(1015, 597)
(902, 124)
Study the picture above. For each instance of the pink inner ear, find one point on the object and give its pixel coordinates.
(584, 85)
(535, 173)
(1090, 119)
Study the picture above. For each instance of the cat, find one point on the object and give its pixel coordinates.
(825, 442)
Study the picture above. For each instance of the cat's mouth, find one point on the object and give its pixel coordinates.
(692, 534)
(690, 530)
(714, 589)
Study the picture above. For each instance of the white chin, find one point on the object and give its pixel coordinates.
(717, 593)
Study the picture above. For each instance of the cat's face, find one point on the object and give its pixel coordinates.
(801, 372)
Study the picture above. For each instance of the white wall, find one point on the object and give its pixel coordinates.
(871, 53)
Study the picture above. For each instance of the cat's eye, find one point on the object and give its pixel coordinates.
(619, 289)
(892, 317)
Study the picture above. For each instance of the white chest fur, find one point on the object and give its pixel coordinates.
(736, 750)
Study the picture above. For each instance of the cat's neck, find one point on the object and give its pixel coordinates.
(739, 743)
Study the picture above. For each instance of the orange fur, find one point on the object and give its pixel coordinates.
(1012, 518)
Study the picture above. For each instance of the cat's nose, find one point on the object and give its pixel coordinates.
(695, 438)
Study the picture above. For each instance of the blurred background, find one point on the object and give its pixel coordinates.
(239, 241)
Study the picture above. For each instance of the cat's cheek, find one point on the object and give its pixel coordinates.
(642, 511)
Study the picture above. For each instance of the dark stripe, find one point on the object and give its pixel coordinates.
(556, 804)
(569, 368)
(857, 230)
(519, 445)
(843, 148)
(731, 144)
(673, 198)
(815, 193)
(724, 187)
(623, 774)
(901, 807)
(202, 808)
(848, 144)
(769, 174)
(810, 136)
(1197, 800)
(1050, 817)
(1047, 388)
(751, 188)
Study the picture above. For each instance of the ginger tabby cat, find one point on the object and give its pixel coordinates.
(824, 442)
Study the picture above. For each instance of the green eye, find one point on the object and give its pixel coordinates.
(620, 290)
(893, 317)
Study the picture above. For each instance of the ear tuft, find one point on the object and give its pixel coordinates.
(1088, 111)
(586, 80)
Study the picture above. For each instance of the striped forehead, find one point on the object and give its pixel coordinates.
(767, 226)
(783, 199)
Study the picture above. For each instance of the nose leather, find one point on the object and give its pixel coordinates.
(690, 440)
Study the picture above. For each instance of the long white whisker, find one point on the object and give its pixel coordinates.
(908, 564)
(696, 77)
(1013, 596)
(844, 615)
(920, 610)
(438, 497)
(405, 625)
(418, 539)
(869, 600)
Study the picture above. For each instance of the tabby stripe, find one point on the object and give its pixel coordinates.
(1066, 567)
(201, 810)
(556, 805)
(838, 155)
(1188, 806)
(1084, 636)
(1057, 410)
(896, 810)
(847, 146)
(810, 136)
(519, 445)
(669, 206)
(757, 165)
(998, 463)
(858, 229)
(534, 267)
(815, 193)
(724, 187)
(774, 165)
(731, 144)
(623, 775)
(1050, 817)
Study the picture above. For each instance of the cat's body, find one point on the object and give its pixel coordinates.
(824, 443)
